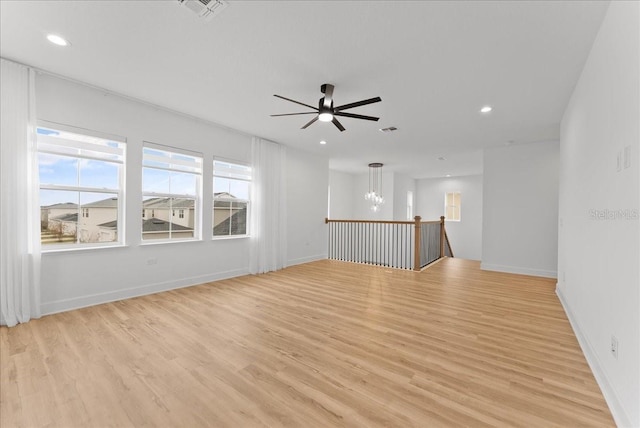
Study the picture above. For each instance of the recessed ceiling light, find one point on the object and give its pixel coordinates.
(323, 142)
(486, 109)
(448, 175)
(57, 40)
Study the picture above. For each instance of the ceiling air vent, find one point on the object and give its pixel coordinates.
(205, 9)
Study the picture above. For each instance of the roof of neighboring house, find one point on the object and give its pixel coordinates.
(225, 195)
(66, 217)
(104, 203)
(221, 200)
(62, 205)
(237, 222)
(157, 225)
(166, 203)
(110, 224)
(217, 204)
(151, 225)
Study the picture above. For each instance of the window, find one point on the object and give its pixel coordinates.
(171, 179)
(409, 205)
(78, 172)
(231, 186)
(452, 206)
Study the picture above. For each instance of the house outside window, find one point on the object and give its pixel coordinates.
(78, 171)
(452, 206)
(231, 197)
(171, 179)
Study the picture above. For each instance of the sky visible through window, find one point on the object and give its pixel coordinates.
(63, 170)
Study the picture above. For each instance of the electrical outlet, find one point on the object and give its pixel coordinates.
(152, 261)
(614, 347)
(627, 157)
(619, 161)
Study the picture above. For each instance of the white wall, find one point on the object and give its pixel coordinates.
(307, 183)
(465, 235)
(342, 195)
(598, 257)
(520, 209)
(80, 278)
(401, 185)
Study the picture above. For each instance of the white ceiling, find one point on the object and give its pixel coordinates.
(433, 63)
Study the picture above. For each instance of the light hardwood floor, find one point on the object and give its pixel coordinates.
(322, 344)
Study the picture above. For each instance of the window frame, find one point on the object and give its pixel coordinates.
(120, 192)
(458, 207)
(197, 211)
(231, 200)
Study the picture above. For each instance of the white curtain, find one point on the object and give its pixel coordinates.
(268, 199)
(19, 210)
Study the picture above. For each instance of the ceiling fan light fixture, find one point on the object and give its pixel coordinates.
(325, 117)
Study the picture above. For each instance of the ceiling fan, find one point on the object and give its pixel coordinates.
(326, 112)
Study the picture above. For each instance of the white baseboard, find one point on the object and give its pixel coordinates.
(519, 270)
(64, 305)
(302, 260)
(617, 410)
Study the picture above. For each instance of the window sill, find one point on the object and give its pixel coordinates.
(227, 237)
(59, 250)
(167, 241)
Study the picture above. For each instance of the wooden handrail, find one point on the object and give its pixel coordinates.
(326, 220)
(446, 237)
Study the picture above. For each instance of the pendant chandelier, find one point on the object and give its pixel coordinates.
(374, 195)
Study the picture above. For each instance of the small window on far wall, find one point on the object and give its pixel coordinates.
(231, 197)
(409, 205)
(452, 206)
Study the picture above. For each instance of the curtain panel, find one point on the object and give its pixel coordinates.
(268, 199)
(19, 206)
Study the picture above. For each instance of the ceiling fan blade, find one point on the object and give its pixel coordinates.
(310, 122)
(338, 124)
(294, 101)
(294, 114)
(327, 90)
(356, 116)
(358, 104)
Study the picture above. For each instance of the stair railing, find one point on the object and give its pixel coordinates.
(410, 245)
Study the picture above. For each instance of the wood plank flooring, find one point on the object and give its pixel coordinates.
(321, 344)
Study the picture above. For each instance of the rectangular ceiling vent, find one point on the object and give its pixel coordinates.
(389, 129)
(205, 9)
